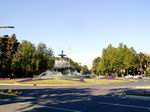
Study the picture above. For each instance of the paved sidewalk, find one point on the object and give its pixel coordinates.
(142, 87)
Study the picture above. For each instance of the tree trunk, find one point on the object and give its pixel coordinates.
(127, 71)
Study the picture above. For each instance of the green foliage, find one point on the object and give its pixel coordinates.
(85, 69)
(96, 62)
(115, 60)
(148, 71)
(143, 63)
(43, 58)
(8, 47)
(22, 60)
(74, 65)
(25, 59)
(29, 60)
(109, 59)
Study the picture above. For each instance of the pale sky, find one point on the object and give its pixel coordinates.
(83, 26)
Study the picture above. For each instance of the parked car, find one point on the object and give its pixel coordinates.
(137, 77)
(129, 77)
(101, 77)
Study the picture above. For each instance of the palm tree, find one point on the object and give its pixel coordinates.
(142, 59)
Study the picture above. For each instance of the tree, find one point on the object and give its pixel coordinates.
(95, 65)
(116, 60)
(148, 66)
(85, 69)
(143, 61)
(22, 60)
(8, 47)
(74, 65)
(108, 63)
(31, 60)
(44, 58)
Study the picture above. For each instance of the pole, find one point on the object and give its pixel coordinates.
(1, 27)
(7, 27)
(69, 48)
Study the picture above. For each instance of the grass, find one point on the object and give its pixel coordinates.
(52, 81)
(104, 81)
(9, 93)
(8, 81)
(4, 95)
(62, 81)
(74, 81)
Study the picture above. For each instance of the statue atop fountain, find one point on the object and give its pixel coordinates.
(62, 54)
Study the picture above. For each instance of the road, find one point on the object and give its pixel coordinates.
(95, 98)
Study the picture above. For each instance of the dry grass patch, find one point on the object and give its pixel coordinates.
(52, 81)
(65, 82)
(104, 81)
(8, 81)
(75, 81)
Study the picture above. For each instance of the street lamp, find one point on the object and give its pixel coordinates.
(7, 27)
(1, 27)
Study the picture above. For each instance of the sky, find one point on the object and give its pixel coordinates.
(82, 28)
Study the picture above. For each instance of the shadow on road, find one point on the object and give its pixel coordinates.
(71, 99)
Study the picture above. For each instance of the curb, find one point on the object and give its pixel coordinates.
(16, 84)
(42, 85)
(142, 87)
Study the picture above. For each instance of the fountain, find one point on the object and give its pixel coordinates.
(62, 64)
(62, 68)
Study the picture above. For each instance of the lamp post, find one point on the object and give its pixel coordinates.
(2, 56)
(69, 52)
(7, 27)
(1, 27)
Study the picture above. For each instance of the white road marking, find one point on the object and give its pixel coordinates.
(24, 103)
(123, 105)
(63, 109)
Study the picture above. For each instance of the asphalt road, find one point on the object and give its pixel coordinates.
(96, 98)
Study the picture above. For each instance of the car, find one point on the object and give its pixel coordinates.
(137, 77)
(101, 77)
(129, 77)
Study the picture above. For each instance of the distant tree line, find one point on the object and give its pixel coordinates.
(121, 61)
(24, 59)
